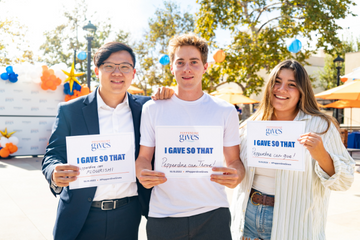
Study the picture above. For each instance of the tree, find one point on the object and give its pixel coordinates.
(168, 21)
(13, 39)
(328, 76)
(62, 41)
(259, 43)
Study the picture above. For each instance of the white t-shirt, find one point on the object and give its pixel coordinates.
(182, 197)
(264, 180)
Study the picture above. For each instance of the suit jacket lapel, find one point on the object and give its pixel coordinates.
(136, 114)
(90, 112)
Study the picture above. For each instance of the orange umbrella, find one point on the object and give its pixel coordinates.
(236, 99)
(226, 90)
(350, 91)
(134, 90)
(345, 104)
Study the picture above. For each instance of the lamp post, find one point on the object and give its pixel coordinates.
(338, 61)
(90, 28)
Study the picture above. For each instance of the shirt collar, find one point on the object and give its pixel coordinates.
(101, 103)
(302, 116)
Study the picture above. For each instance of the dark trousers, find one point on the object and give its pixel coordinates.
(119, 224)
(213, 225)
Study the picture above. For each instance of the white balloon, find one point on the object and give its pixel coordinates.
(60, 74)
(3, 141)
(24, 78)
(14, 140)
(19, 69)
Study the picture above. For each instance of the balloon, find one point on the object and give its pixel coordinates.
(164, 59)
(343, 79)
(3, 141)
(4, 153)
(219, 56)
(11, 147)
(14, 140)
(19, 69)
(4, 76)
(81, 55)
(294, 46)
(13, 77)
(9, 69)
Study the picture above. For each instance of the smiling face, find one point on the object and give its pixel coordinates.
(188, 70)
(113, 85)
(285, 94)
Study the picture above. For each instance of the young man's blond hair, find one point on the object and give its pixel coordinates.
(188, 39)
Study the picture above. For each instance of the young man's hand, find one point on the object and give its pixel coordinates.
(149, 178)
(163, 93)
(229, 177)
(63, 174)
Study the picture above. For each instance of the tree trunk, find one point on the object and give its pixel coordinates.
(245, 112)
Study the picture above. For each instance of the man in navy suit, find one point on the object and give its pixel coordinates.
(110, 211)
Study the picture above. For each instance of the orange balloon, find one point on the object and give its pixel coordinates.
(51, 71)
(4, 153)
(11, 147)
(43, 86)
(44, 67)
(49, 83)
(219, 56)
(344, 79)
(84, 90)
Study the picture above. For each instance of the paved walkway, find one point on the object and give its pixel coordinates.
(27, 208)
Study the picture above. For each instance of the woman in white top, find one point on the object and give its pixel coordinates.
(284, 204)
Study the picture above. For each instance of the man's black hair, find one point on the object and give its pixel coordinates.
(107, 49)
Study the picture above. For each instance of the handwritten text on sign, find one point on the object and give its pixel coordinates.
(183, 152)
(273, 144)
(102, 159)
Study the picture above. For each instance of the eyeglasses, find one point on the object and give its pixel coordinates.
(123, 67)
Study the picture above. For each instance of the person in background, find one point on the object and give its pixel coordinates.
(283, 204)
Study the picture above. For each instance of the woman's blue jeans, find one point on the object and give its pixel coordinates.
(258, 221)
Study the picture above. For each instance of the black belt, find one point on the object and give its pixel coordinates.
(113, 204)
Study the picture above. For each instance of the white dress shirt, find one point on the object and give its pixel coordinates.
(115, 120)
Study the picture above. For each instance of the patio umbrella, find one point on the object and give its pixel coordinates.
(349, 91)
(353, 75)
(236, 98)
(345, 104)
(134, 90)
(226, 90)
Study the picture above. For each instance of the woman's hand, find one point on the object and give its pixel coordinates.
(314, 144)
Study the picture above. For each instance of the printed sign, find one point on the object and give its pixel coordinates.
(102, 159)
(188, 152)
(274, 144)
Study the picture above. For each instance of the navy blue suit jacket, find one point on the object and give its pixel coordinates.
(80, 117)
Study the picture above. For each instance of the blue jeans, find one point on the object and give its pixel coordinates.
(258, 221)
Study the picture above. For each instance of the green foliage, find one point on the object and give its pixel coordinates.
(259, 43)
(61, 42)
(328, 76)
(13, 38)
(168, 21)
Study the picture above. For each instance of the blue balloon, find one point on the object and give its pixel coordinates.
(294, 46)
(164, 59)
(81, 55)
(76, 86)
(13, 77)
(4, 76)
(9, 69)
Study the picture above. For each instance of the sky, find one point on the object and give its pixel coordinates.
(129, 15)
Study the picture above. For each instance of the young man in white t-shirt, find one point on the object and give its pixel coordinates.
(189, 208)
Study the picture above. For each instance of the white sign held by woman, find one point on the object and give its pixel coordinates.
(274, 144)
